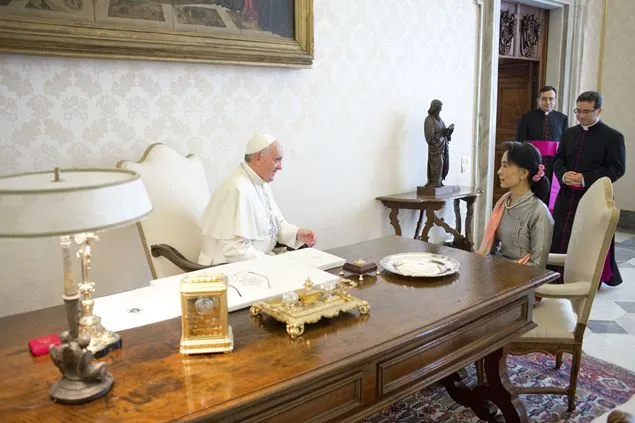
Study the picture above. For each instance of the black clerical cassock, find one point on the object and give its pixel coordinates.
(595, 152)
(538, 126)
(535, 125)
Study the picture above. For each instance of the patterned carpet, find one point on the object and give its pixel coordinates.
(601, 386)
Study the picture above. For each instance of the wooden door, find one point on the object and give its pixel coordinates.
(517, 85)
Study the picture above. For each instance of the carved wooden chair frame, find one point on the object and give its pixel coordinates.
(573, 346)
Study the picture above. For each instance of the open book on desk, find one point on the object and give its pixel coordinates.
(252, 280)
(249, 281)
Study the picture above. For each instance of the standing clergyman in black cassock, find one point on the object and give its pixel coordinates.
(587, 152)
(544, 124)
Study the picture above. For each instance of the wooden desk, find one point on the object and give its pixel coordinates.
(342, 369)
(428, 204)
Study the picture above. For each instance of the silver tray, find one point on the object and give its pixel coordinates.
(420, 265)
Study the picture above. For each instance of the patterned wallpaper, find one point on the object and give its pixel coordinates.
(592, 40)
(352, 127)
(616, 85)
(618, 88)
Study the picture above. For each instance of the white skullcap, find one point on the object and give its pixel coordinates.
(259, 142)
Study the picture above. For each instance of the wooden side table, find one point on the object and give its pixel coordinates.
(429, 204)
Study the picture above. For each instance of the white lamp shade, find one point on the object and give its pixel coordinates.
(83, 200)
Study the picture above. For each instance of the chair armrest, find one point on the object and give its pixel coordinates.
(556, 259)
(176, 258)
(567, 290)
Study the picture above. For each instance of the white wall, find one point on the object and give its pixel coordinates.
(352, 127)
(618, 88)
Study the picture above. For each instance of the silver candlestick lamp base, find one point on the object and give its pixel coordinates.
(82, 379)
(102, 341)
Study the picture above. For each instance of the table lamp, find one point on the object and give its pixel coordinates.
(72, 204)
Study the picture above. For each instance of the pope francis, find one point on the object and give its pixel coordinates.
(242, 221)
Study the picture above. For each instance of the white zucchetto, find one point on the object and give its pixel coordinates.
(259, 142)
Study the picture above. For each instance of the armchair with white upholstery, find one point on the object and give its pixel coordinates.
(562, 315)
(178, 189)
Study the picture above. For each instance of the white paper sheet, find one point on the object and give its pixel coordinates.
(256, 280)
(136, 308)
(316, 258)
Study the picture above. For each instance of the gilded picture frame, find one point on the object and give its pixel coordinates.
(250, 32)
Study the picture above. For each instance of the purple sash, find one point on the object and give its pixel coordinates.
(549, 149)
(546, 148)
(607, 270)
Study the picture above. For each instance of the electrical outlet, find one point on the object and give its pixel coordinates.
(465, 164)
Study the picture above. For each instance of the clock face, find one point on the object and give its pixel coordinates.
(206, 305)
(204, 315)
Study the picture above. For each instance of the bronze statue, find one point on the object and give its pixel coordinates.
(438, 139)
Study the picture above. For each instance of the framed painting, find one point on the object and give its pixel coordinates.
(252, 32)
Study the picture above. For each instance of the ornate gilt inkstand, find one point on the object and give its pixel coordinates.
(309, 305)
(102, 341)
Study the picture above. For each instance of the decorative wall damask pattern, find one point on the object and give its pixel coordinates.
(352, 126)
(612, 66)
(589, 71)
(618, 88)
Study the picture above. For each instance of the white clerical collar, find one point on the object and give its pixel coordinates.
(586, 128)
(543, 112)
(252, 175)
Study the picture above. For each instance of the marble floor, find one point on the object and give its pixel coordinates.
(610, 333)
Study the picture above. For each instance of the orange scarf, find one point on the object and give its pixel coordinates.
(490, 230)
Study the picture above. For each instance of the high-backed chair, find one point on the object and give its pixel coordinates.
(179, 192)
(563, 313)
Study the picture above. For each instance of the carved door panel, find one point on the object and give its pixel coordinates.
(517, 83)
(523, 31)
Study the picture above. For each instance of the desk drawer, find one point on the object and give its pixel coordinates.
(321, 402)
(419, 364)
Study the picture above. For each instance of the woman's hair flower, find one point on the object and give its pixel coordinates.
(539, 174)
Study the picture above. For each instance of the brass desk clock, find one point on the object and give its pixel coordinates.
(204, 320)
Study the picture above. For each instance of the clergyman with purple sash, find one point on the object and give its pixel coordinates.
(543, 127)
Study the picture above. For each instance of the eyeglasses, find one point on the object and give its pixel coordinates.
(583, 112)
(247, 279)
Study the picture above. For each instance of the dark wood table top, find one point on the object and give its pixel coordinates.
(153, 382)
(414, 197)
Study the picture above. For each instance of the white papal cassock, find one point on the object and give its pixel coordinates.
(242, 221)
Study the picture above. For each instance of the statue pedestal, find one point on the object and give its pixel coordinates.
(434, 191)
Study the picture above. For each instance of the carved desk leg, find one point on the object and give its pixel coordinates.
(419, 224)
(498, 390)
(457, 214)
(459, 241)
(394, 220)
(468, 218)
(430, 219)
